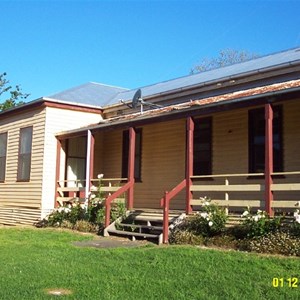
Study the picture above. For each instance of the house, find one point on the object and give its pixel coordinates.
(28, 149)
(231, 134)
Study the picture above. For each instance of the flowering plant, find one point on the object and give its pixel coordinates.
(296, 221)
(211, 220)
(260, 223)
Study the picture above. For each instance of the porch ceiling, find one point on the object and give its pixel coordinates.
(248, 97)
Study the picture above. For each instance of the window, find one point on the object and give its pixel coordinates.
(138, 154)
(24, 161)
(203, 146)
(257, 140)
(3, 149)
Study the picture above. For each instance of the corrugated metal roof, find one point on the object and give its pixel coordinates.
(102, 95)
(90, 93)
(265, 62)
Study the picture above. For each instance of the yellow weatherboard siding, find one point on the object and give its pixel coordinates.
(22, 195)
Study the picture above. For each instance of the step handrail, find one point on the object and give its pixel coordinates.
(112, 197)
(165, 203)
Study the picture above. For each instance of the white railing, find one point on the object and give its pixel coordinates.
(230, 186)
(74, 190)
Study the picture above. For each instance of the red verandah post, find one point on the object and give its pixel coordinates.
(189, 161)
(166, 219)
(131, 156)
(58, 157)
(268, 158)
(129, 185)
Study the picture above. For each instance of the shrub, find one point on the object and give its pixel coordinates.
(211, 221)
(117, 210)
(56, 218)
(295, 227)
(67, 224)
(259, 224)
(274, 243)
(183, 237)
(85, 226)
(223, 241)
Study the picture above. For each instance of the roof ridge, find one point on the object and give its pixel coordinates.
(109, 85)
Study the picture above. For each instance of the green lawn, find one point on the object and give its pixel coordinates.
(34, 260)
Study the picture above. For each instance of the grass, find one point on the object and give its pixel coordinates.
(36, 260)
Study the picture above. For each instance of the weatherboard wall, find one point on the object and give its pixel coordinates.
(163, 156)
(20, 202)
(57, 120)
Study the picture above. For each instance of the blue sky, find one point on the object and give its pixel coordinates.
(49, 46)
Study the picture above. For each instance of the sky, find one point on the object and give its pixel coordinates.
(50, 46)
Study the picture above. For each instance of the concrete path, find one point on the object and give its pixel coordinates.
(112, 242)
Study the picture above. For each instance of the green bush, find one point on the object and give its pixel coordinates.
(78, 218)
(259, 224)
(56, 218)
(210, 221)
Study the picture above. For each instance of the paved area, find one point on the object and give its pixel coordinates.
(112, 242)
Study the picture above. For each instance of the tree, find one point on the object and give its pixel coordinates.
(226, 57)
(14, 96)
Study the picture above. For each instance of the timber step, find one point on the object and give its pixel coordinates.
(133, 234)
(141, 224)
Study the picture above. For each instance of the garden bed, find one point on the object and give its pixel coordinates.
(257, 232)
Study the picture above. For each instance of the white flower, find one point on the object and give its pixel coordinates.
(93, 196)
(245, 213)
(204, 215)
(297, 219)
(210, 223)
(93, 188)
(256, 218)
(100, 176)
(206, 203)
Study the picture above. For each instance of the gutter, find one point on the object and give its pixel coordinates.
(41, 101)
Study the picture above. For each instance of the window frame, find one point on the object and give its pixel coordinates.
(23, 156)
(278, 161)
(4, 158)
(209, 141)
(137, 155)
